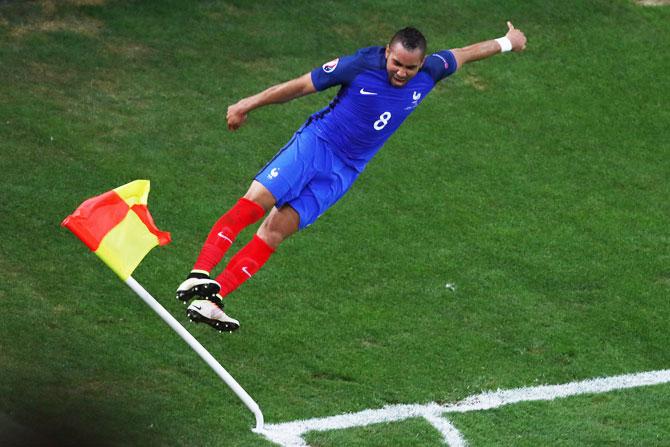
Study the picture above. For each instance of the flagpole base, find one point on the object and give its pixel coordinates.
(200, 350)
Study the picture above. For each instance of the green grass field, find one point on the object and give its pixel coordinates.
(537, 183)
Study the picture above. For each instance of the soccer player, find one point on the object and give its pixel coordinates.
(379, 88)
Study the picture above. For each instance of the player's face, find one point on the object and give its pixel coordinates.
(402, 64)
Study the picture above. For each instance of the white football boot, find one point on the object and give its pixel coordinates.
(202, 287)
(210, 312)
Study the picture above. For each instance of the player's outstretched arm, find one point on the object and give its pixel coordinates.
(295, 88)
(514, 40)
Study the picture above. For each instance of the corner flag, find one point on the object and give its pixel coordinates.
(118, 228)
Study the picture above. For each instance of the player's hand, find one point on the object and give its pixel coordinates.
(236, 116)
(517, 37)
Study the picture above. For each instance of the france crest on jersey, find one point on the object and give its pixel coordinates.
(368, 109)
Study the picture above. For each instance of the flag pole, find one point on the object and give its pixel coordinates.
(202, 352)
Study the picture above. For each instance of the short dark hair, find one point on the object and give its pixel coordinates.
(411, 38)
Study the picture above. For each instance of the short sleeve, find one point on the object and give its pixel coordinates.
(440, 65)
(336, 72)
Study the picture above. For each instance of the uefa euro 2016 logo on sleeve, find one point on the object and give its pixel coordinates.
(328, 67)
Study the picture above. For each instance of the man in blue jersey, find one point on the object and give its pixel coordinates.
(379, 88)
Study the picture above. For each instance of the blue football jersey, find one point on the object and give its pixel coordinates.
(368, 109)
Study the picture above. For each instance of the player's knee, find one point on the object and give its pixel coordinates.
(259, 194)
(271, 235)
(278, 226)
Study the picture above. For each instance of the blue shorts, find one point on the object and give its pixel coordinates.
(307, 175)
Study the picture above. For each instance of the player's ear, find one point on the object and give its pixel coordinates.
(388, 51)
(423, 59)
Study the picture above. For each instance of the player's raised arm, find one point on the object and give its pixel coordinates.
(514, 40)
(295, 88)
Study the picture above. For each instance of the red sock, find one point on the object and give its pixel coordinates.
(244, 265)
(225, 230)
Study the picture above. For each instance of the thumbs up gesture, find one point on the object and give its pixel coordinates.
(517, 37)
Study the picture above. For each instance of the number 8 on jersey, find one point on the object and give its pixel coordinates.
(383, 120)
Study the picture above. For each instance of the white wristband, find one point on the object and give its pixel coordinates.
(505, 44)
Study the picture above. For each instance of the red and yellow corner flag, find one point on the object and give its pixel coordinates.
(117, 226)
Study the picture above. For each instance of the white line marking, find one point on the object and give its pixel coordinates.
(289, 434)
(452, 437)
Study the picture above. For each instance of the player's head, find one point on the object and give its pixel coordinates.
(404, 55)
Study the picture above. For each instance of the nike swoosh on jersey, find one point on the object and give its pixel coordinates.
(365, 92)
